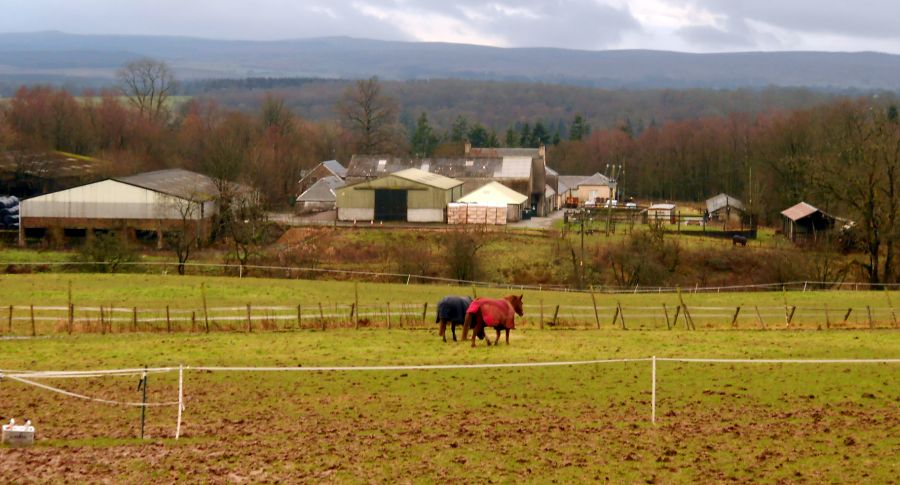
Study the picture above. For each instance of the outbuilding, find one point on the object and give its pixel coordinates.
(496, 194)
(661, 213)
(411, 195)
(725, 208)
(150, 203)
(804, 222)
(320, 197)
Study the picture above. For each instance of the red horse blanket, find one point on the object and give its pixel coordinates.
(494, 312)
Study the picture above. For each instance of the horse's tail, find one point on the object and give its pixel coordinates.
(467, 322)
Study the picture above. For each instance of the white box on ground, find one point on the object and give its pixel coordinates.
(18, 435)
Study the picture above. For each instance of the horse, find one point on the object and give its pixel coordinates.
(451, 309)
(488, 312)
(736, 239)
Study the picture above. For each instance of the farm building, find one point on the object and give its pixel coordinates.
(144, 204)
(568, 187)
(803, 222)
(328, 168)
(596, 189)
(522, 169)
(411, 195)
(496, 194)
(724, 208)
(320, 197)
(661, 213)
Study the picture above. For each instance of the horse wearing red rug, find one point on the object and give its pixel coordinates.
(489, 312)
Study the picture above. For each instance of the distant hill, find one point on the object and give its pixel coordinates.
(93, 59)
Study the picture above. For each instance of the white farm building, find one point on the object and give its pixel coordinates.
(146, 204)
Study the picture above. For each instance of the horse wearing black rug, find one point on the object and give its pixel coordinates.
(452, 309)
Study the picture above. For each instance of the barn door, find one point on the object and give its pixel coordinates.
(390, 205)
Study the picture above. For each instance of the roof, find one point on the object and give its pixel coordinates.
(177, 182)
(661, 207)
(568, 182)
(722, 201)
(428, 178)
(548, 191)
(596, 179)
(322, 190)
(504, 152)
(800, 211)
(550, 171)
(335, 167)
(373, 166)
(494, 192)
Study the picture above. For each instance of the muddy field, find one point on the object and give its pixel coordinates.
(716, 422)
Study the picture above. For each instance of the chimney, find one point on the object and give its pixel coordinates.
(468, 148)
(542, 152)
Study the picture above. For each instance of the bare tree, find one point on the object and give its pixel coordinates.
(246, 228)
(186, 235)
(371, 115)
(148, 84)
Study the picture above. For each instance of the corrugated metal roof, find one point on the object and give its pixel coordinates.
(662, 207)
(504, 152)
(178, 182)
(335, 167)
(428, 178)
(799, 211)
(494, 192)
(322, 190)
(514, 168)
(366, 166)
(722, 201)
(596, 179)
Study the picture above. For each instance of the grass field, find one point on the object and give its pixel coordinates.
(717, 422)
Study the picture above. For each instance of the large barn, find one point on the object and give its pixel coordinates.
(145, 204)
(410, 195)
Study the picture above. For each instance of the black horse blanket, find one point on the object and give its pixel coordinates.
(453, 309)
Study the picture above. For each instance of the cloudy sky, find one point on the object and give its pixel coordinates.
(685, 25)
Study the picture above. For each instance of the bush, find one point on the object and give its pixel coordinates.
(107, 249)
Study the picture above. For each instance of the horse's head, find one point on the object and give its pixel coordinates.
(516, 302)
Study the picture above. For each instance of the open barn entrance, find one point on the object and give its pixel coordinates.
(390, 205)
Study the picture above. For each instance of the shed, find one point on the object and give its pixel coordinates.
(497, 194)
(411, 195)
(724, 207)
(805, 222)
(320, 197)
(661, 213)
(151, 202)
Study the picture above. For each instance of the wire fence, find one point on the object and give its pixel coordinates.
(312, 272)
(35, 320)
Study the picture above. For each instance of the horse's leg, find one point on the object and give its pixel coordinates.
(497, 340)
(467, 322)
(453, 330)
(443, 331)
(507, 336)
(478, 327)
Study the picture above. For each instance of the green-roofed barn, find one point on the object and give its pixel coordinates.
(410, 195)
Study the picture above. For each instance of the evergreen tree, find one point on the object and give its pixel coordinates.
(580, 128)
(493, 141)
(459, 130)
(478, 136)
(512, 139)
(539, 135)
(556, 139)
(525, 136)
(423, 140)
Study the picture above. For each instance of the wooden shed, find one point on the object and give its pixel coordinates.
(410, 195)
(804, 222)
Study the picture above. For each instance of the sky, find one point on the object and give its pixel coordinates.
(682, 25)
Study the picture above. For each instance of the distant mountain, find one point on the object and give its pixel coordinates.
(46, 56)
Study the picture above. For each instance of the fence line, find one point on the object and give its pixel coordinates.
(27, 376)
(806, 285)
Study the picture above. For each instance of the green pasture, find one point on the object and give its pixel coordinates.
(834, 423)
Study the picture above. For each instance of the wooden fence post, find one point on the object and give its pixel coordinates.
(688, 319)
(33, 331)
(425, 313)
(168, 320)
(847, 315)
(249, 319)
(134, 319)
(71, 316)
(827, 318)
(791, 316)
(205, 308)
(542, 314)
(887, 294)
(193, 321)
(869, 311)
(9, 322)
(352, 311)
(621, 314)
(666, 312)
(299, 316)
(102, 320)
(787, 319)
(322, 315)
(389, 315)
(737, 311)
(356, 302)
(675, 320)
(555, 316)
(597, 314)
(615, 318)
